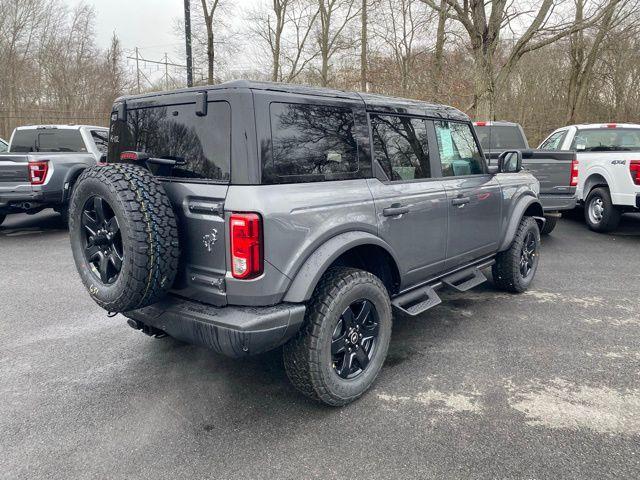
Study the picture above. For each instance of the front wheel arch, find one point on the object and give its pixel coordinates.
(528, 206)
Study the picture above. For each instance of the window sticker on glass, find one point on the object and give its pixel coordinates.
(446, 142)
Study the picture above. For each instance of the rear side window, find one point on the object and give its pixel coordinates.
(101, 139)
(500, 137)
(459, 153)
(201, 143)
(48, 140)
(607, 140)
(400, 146)
(311, 143)
(554, 142)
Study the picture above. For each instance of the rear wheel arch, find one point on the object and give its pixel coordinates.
(594, 180)
(354, 249)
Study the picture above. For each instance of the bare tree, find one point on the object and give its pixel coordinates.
(483, 29)
(364, 43)
(209, 8)
(335, 16)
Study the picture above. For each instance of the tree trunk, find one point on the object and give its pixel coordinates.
(210, 51)
(439, 50)
(363, 48)
(484, 86)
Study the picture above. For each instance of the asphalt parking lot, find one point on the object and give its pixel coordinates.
(487, 385)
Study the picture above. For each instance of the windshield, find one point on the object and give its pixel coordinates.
(607, 140)
(500, 137)
(48, 140)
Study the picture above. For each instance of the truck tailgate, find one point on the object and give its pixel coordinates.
(13, 169)
(551, 168)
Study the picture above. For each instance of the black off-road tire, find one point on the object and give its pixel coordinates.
(610, 215)
(506, 271)
(2, 218)
(549, 225)
(148, 231)
(307, 357)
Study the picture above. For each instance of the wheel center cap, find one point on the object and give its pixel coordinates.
(353, 337)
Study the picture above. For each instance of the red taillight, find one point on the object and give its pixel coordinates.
(480, 124)
(574, 173)
(246, 245)
(38, 172)
(634, 168)
(129, 156)
(612, 125)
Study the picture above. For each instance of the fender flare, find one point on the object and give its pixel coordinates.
(516, 216)
(71, 176)
(305, 281)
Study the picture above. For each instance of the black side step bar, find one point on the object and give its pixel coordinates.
(465, 280)
(421, 299)
(417, 301)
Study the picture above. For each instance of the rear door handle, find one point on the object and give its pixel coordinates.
(395, 210)
(460, 201)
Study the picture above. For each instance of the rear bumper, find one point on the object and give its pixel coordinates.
(232, 330)
(554, 203)
(15, 200)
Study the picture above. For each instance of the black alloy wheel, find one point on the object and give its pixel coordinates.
(103, 248)
(528, 254)
(354, 339)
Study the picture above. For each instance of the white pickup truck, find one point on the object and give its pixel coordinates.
(608, 157)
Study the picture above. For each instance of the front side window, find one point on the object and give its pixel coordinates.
(50, 140)
(201, 144)
(312, 143)
(400, 146)
(459, 153)
(554, 142)
(607, 140)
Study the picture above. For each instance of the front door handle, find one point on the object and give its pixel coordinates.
(460, 201)
(395, 210)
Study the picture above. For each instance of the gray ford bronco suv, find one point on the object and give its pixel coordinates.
(246, 216)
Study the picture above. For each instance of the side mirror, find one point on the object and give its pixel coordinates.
(510, 161)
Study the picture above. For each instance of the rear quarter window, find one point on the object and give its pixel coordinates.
(311, 143)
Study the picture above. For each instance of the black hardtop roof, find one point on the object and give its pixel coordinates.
(372, 101)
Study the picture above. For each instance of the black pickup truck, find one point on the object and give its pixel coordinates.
(556, 171)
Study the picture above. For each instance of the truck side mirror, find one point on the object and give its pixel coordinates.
(510, 161)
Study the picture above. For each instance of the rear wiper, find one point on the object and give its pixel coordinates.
(168, 162)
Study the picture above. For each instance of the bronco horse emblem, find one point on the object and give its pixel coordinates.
(210, 239)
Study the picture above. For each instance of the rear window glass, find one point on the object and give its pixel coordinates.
(48, 140)
(311, 143)
(201, 144)
(101, 139)
(500, 137)
(607, 140)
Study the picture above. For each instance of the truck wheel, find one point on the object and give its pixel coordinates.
(2, 218)
(600, 213)
(549, 225)
(515, 268)
(124, 236)
(340, 349)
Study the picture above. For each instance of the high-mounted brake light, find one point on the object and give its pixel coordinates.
(480, 124)
(634, 169)
(135, 156)
(574, 173)
(612, 125)
(38, 172)
(246, 245)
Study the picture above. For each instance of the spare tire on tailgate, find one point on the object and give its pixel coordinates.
(124, 236)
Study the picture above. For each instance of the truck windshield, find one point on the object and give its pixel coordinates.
(47, 140)
(500, 137)
(607, 140)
